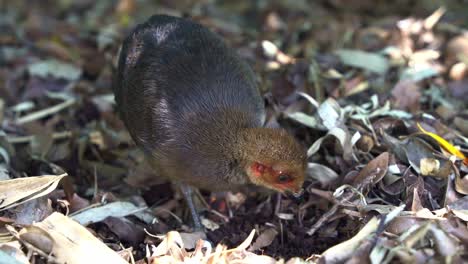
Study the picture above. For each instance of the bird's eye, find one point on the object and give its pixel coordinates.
(284, 178)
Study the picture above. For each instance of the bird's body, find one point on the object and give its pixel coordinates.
(193, 106)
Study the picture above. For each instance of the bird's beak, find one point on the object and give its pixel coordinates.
(296, 195)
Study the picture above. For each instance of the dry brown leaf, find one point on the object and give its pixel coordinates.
(172, 250)
(32, 211)
(407, 94)
(373, 172)
(462, 214)
(172, 244)
(17, 191)
(264, 239)
(126, 6)
(244, 245)
(344, 250)
(68, 241)
(209, 224)
(445, 244)
(457, 47)
(190, 239)
(416, 204)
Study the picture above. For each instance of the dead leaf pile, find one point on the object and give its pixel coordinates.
(375, 91)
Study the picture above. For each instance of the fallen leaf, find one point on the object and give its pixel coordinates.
(407, 94)
(97, 214)
(68, 241)
(321, 173)
(17, 191)
(373, 172)
(346, 249)
(445, 144)
(372, 62)
(264, 239)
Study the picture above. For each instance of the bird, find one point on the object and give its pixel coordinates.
(192, 104)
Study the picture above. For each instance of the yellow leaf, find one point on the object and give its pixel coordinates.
(445, 144)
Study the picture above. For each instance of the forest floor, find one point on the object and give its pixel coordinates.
(376, 92)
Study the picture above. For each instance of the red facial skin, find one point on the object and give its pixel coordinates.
(261, 170)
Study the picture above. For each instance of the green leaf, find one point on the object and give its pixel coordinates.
(418, 74)
(372, 62)
(56, 69)
(97, 214)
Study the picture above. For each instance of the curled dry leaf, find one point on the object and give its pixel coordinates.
(172, 250)
(347, 249)
(329, 116)
(344, 250)
(264, 239)
(68, 242)
(172, 245)
(305, 119)
(17, 191)
(321, 173)
(330, 113)
(344, 138)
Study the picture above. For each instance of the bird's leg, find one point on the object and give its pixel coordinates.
(187, 191)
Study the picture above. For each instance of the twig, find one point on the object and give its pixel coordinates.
(327, 195)
(27, 139)
(178, 219)
(325, 217)
(278, 203)
(225, 218)
(351, 212)
(315, 75)
(346, 197)
(45, 112)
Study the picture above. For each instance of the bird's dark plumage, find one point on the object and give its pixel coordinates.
(184, 96)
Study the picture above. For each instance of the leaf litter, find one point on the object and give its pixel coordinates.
(377, 97)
